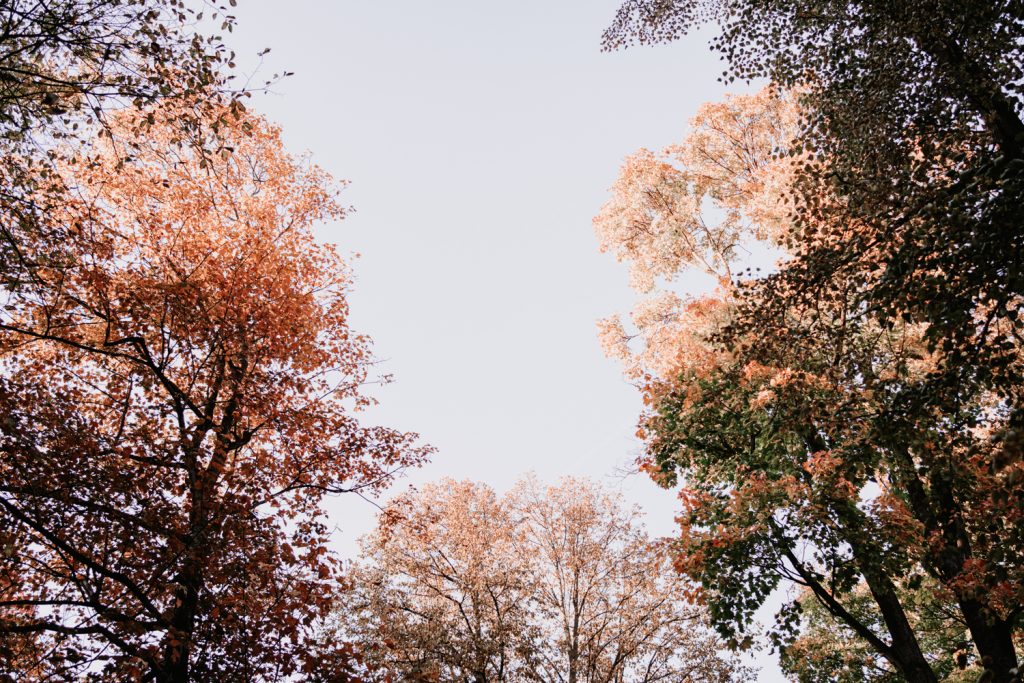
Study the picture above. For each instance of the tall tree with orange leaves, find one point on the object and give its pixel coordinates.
(179, 397)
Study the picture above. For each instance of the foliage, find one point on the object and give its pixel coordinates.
(609, 593)
(64, 68)
(178, 398)
(828, 651)
(555, 584)
(815, 444)
(65, 59)
(444, 594)
(697, 204)
(913, 136)
(657, 218)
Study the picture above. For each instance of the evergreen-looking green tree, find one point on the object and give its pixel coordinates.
(812, 440)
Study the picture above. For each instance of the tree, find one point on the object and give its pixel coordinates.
(544, 585)
(70, 58)
(913, 121)
(909, 204)
(615, 609)
(657, 218)
(793, 470)
(444, 593)
(815, 445)
(826, 651)
(696, 205)
(178, 400)
(64, 67)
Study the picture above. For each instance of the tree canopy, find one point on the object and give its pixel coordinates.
(178, 399)
(542, 584)
(816, 438)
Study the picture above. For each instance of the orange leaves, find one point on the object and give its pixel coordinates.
(202, 249)
(662, 214)
(694, 206)
(823, 465)
(673, 336)
(648, 219)
(190, 377)
(550, 582)
(899, 522)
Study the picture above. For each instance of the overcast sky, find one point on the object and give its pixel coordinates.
(480, 137)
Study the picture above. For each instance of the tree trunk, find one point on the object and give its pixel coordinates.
(178, 641)
(907, 654)
(994, 640)
(979, 87)
(904, 652)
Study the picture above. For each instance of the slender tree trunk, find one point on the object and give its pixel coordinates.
(907, 654)
(178, 642)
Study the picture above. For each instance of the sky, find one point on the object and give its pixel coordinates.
(480, 138)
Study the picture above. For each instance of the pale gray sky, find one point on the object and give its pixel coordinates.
(480, 138)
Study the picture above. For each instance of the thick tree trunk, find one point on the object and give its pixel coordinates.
(904, 651)
(994, 640)
(992, 637)
(978, 85)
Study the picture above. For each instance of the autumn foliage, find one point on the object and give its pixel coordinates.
(180, 387)
(555, 583)
(179, 393)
